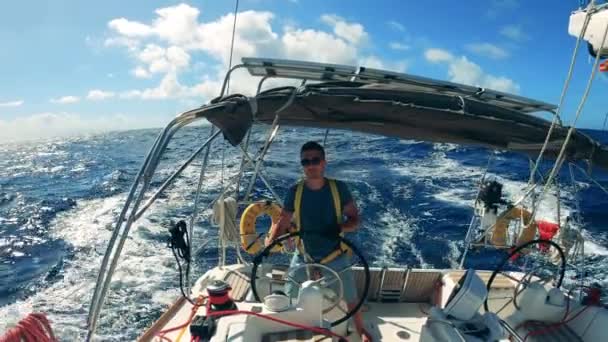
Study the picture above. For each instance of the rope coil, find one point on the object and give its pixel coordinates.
(33, 328)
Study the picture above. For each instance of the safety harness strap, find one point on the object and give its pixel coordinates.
(335, 194)
(336, 197)
(298, 204)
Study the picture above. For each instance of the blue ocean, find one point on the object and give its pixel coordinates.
(60, 198)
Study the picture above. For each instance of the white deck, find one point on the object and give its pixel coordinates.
(411, 293)
(386, 321)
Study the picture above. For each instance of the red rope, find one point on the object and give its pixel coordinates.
(162, 333)
(35, 328)
(278, 320)
(193, 311)
(553, 327)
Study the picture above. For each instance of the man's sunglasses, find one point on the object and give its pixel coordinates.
(313, 161)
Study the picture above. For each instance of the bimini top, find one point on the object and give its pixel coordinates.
(397, 105)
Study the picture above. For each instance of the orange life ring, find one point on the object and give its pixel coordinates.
(251, 241)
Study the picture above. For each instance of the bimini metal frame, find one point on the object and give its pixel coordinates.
(136, 202)
(133, 208)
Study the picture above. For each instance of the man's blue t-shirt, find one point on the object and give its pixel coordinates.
(318, 217)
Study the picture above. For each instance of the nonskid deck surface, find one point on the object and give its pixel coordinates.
(398, 303)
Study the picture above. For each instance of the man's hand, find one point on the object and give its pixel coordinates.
(365, 336)
(268, 240)
(278, 228)
(352, 218)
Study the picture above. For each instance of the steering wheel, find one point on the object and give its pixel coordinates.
(323, 281)
(526, 280)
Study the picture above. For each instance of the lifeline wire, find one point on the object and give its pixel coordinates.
(561, 156)
(564, 91)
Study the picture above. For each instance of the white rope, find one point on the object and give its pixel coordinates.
(224, 215)
(556, 117)
(236, 8)
(579, 110)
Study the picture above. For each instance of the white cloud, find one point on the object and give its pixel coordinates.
(130, 43)
(396, 26)
(462, 70)
(399, 46)
(97, 95)
(168, 88)
(375, 62)
(164, 47)
(318, 46)
(11, 103)
(130, 28)
(66, 99)
(49, 125)
(351, 32)
(497, 7)
(488, 50)
(177, 24)
(141, 72)
(156, 59)
(514, 32)
(437, 55)
(254, 36)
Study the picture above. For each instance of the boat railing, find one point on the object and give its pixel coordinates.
(133, 208)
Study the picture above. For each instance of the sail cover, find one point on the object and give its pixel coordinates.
(398, 105)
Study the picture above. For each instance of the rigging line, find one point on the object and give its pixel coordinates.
(563, 95)
(223, 158)
(195, 211)
(538, 171)
(591, 178)
(604, 125)
(473, 218)
(579, 110)
(236, 8)
(577, 220)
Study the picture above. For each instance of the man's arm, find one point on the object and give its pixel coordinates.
(280, 227)
(352, 218)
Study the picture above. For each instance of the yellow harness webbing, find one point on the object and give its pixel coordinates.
(335, 194)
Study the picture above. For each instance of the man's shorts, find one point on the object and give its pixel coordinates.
(341, 264)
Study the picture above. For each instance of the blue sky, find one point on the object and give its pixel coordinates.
(75, 66)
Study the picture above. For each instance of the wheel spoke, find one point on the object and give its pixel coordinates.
(504, 306)
(501, 297)
(346, 268)
(333, 300)
(533, 267)
(339, 272)
(321, 279)
(290, 278)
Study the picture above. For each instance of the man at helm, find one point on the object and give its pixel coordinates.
(319, 224)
